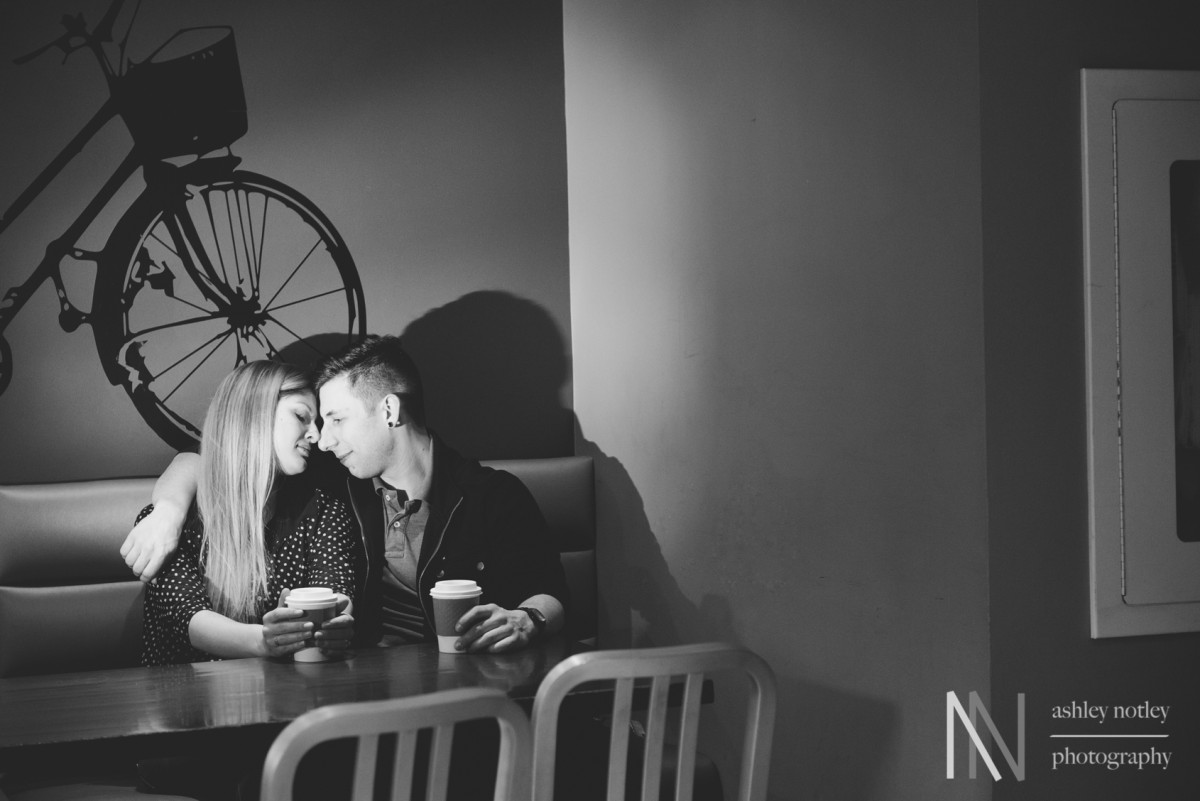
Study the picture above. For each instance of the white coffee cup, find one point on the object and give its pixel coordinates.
(319, 605)
(452, 599)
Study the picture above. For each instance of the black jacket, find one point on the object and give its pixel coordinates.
(483, 525)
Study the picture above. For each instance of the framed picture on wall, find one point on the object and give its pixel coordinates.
(1141, 170)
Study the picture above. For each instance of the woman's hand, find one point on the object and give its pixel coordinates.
(284, 630)
(335, 635)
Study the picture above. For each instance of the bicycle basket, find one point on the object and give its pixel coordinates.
(187, 97)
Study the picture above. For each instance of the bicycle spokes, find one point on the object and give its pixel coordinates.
(245, 269)
(147, 272)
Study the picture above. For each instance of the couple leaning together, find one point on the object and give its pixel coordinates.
(411, 512)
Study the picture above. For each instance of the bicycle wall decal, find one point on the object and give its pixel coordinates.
(211, 265)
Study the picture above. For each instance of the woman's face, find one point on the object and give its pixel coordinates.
(295, 431)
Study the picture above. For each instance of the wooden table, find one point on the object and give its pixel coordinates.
(143, 710)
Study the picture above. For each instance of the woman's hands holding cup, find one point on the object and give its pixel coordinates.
(286, 631)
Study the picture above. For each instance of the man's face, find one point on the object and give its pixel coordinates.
(355, 432)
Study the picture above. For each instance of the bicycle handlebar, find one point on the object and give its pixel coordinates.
(78, 36)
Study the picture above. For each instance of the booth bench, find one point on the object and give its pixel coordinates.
(68, 602)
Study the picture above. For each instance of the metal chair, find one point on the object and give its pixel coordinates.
(661, 667)
(404, 717)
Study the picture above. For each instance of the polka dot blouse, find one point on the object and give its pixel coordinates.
(313, 546)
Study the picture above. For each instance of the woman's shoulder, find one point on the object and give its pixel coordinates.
(318, 504)
(331, 505)
(323, 516)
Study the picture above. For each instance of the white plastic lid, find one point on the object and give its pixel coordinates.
(455, 588)
(311, 598)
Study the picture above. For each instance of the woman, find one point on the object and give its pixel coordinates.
(256, 530)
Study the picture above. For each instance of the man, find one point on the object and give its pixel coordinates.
(425, 513)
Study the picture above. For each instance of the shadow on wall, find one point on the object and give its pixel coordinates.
(838, 740)
(307, 353)
(494, 366)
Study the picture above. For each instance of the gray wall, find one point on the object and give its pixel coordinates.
(1037, 451)
(776, 306)
(432, 136)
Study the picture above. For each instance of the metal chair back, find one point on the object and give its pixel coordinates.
(660, 668)
(369, 721)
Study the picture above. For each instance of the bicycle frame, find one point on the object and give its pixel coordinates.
(161, 178)
(69, 317)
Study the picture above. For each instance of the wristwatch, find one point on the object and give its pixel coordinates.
(538, 619)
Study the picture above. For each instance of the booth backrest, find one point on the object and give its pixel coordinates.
(565, 489)
(68, 602)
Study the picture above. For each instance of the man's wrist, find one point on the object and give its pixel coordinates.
(165, 507)
(536, 618)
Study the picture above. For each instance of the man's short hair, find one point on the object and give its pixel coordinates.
(377, 366)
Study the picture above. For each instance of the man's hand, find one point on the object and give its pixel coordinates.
(152, 540)
(284, 630)
(335, 635)
(156, 537)
(495, 630)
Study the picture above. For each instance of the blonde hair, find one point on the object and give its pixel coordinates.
(237, 473)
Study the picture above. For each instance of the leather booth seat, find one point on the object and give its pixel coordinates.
(68, 602)
(565, 489)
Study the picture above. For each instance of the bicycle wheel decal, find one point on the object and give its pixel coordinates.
(243, 268)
